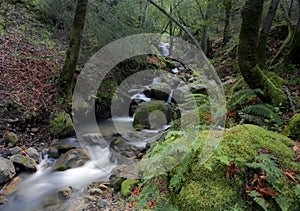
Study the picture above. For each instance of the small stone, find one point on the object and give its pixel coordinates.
(90, 198)
(64, 193)
(3, 199)
(103, 203)
(35, 129)
(103, 187)
(13, 139)
(95, 191)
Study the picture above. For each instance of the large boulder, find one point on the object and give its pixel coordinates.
(293, 128)
(7, 170)
(72, 159)
(249, 161)
(160, 91)
(153, 115)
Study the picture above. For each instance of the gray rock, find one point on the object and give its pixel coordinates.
(95, 191)
(160, 91)
(53, 152)
(72, 159)
(16, 150)
(33, 153)
(64, 193)
(24, 162)
(103, 203)
(7, 170)
(152, 115)
(3, 199)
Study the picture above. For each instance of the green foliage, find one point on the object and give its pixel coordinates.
(276, 180)
(262, 110)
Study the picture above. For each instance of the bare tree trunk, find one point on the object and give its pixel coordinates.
(228, 10)
(251, 72)
(67, 74)
(264, 33)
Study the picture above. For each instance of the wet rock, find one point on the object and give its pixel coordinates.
(103, 203)
(116, 182)
(103, 187)
(16, 150)
(159, 91)
(24, 162)
(33, 153)
(7, 170)
(128, 186)
(89, 198)
(53, 152)
(153, 115)
(3, 199)
(12, 186)
(92, 139)
(95, 191)
(63, 145)
(64, 193)
(12, 139)
(72, 159)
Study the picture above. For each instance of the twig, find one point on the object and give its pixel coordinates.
(288, 94)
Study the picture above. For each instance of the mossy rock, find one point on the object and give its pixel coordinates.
(152, 115)
(293, 128)
(206, 186)
(128, 186)
(62, 126)
(72, 159)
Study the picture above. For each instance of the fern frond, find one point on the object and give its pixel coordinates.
(241, 96)
(262, 110)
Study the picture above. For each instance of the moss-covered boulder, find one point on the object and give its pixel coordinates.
(62, 126)
(72, 159)
(152, 115)
(222, 182)
(24, 162)
(293, 128)
(128, 186)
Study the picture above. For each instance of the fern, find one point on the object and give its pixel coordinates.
(262, 110)
(241, 96)
(257, 198)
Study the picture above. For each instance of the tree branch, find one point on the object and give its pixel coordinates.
(176, 22)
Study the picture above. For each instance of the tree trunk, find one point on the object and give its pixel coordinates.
(251, 72)
(67, 74)
(294, 54)
(226, 32)
(264, 33)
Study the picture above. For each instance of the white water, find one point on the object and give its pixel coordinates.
(33, 190)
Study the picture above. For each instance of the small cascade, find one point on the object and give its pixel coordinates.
(170, 97)
(33, 191)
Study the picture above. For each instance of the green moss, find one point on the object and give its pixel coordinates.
(128, 186)
(62, 125)
(62, 167)
(293, 128)
(206, 187)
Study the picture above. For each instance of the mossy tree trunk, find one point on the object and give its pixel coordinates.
(67, 74)
(228, 10)
(247, 59)
(264, 33)
(293, 55)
